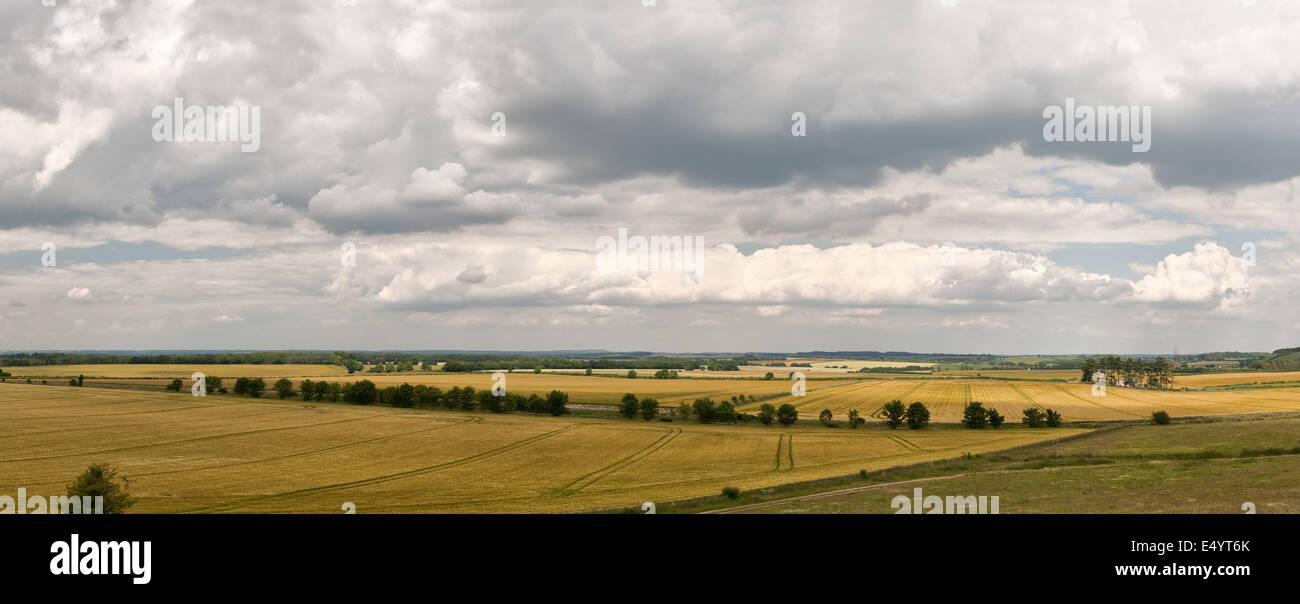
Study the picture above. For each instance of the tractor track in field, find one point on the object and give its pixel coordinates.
(75, 405)
(590, 478)
(1117, 392)
(1024, 396)
(837, 492)
(787, 440)
(390, 477)
(317, 451)
(764, 504)
(50, 417)
(190, 440)
(906, 444)
(1106, 407)
(116, 426)
(879, 411)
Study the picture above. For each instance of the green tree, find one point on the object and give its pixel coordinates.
(631, 374)
(787, 414)
(557, 403)
(588, 371)
(1052, 418)
(1089, 367)
(629, 406)
(726, 412)
(704, 410)
(975, 416)
(855, 419)
(918, 416)
(322, 388)
(769, 376)
(362, 392)
(100, 480)
(1033, 418)
(405, 396)
(1160, 418)
(250, 387)
(536, 404)
(308, 389)
(894, 412)
(283, 387)
(486, 401)
(826, 418)
(684, 411)
(649, 409)
(175, 386)
(468, 399)
(766, 414)
(995, 418)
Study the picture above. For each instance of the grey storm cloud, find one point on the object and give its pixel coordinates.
(855, 217)
(472, 274)
(924, 125)
(360, 96)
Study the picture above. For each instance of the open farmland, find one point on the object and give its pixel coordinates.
(1014, 374)
(1212, 467)
(589, 389)
(1209, 380)
(226, 454)
(852, 366)
(593, 389)
(175, 371)
(947, 398)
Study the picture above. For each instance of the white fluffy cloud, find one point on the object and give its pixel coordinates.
(772, 280)
(433, 200)
(378, 129)
(1209, 275)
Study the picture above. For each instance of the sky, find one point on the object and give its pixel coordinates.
(857, 175)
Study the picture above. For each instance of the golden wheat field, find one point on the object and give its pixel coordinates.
(1206, 380)
(581, 388)
(947, 398)
(1014, 374)
(589, 389)
(227, 454)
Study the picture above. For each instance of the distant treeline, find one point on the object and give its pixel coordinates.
(871, 355)
(1135, 372)
(355, 361)
(1269, 365)
(1286, 359)
(908, 369)
(462, 364)
(1282, 359)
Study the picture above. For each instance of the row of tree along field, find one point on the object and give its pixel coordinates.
(364, 392)
(704, 410)
(1139, 373)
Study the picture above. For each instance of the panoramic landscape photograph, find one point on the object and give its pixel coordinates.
(545, 259)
